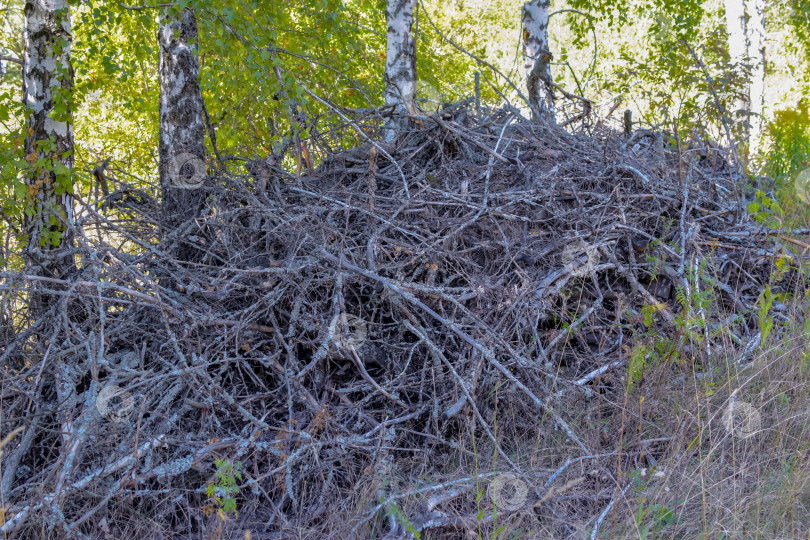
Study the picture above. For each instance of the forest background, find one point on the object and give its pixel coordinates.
(652, 56)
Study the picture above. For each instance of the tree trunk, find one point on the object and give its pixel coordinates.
(47, 84)
(745, 23)
(182, 130)
(537, 58)
(400, 62)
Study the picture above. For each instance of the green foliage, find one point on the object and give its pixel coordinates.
(767, 298)
(765, 303)
(479, 516)
(797, 18)
(682, 75)
(648, 312)
(115, 59)
(14, 190)
(259, 59)
(789, 135)
(787, 162)
(638, 362)
(223, 490)
(44, 163)
(392, 509)
(692, 303)
(650, 517)
(766, 210)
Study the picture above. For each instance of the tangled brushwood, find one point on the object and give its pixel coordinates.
(377, 348)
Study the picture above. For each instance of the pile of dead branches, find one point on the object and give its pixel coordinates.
(370, 345)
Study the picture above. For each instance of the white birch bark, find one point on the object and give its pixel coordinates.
(47, 81)
(537, 58)
(745, 23)
(400, 61)
(182, 130)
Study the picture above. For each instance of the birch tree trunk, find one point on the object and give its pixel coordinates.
(745, 23)
(47, 84)
(537, 58)
(182, 130)
(400, 62)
